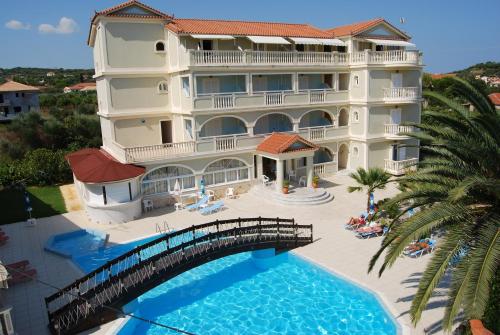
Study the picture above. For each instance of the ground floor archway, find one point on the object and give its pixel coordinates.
(343, 157)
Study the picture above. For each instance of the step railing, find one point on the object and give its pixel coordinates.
(127, 276)
(396, 129)
(401, 93)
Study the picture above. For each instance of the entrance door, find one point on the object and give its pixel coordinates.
(269, 168)
(343, 157)
(207, 44)
(166, 131)
(396, 116)
(394, 152)
(397, 79)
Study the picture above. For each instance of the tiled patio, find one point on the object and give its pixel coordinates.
(335, 249)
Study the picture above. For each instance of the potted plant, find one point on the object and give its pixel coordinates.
(286, 185)
(315, 181)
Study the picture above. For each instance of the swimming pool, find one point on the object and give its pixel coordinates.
(76, 242)
(250, 294)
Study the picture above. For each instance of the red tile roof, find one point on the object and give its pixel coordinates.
(442, 75)
(244, 28)
(495, 98)
(14, 86)
(97, 166)
(359, 27)
(80, 86)
(279, 143)
(112, 11)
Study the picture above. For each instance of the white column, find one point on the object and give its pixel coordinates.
(259, 166)
(296, 127)
(279, 175)
(288, 166)
(197, 181)
(309, 171)
(250, 131)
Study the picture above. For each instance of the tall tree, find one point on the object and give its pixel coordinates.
(368, 180)
(457, 191)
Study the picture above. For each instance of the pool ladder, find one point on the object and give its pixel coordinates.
(163, 228)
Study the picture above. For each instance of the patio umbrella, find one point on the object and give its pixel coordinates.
(177, 189)
(202, 186)
(27, 203)
(4, 275)
(372, 204)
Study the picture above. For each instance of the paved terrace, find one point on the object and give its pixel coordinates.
(336, 250)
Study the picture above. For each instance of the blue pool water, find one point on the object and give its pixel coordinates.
(76, 242)
(241, 294)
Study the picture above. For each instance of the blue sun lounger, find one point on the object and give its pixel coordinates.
(215, 207)
(197, 205)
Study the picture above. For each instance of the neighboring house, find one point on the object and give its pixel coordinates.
(16, 98)
(50, 74)
(495, 99)
(186, 100)
(80, 87)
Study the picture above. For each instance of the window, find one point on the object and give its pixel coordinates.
(355, 151)
(355, 116)
(225, 171)
(162, 87)
(188, 129)
(160, 46)
(22, 94)
(163, 180)
(185, 87)
(343, 81)
(356, 80)
(17, 95)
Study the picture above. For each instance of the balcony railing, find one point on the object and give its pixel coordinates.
(392, 129)
(400, 167)
(251, 58)
(214, 144)
(401, 94)
(263, 99)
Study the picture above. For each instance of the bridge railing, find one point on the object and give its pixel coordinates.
(109, 281)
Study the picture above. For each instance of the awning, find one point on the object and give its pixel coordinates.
(212, 37)
(303, 40)
(331, 41)
(395, 43)
(268, 39)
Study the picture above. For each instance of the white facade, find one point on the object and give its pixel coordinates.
(189, 107)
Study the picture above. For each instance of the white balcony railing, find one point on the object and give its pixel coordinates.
(401, 93)
(225, 143)
(392, 129)
(153, 152)
(325, 169)
(252, 57)
(400, 167)
(223, 101)
(316, 97)
(274, 98)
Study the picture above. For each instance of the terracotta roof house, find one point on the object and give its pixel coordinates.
(442, 75)
(495, 99)
(17, 98)
(227, 102)
(80, 87)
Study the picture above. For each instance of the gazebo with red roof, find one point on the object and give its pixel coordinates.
(280, 148)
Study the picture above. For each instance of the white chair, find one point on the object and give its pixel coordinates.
(211, 195)
(292, 175)
(230, 193)
(303, 181)
(265, 180)
(148, 205)
(178, 206)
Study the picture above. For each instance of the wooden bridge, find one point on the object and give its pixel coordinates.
(86, 303)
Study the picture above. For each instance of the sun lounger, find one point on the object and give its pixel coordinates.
(21, 277)
(372, 232)
(431, 244)
(22, 265)
(215, 207)
(199, 203)
(4, 239)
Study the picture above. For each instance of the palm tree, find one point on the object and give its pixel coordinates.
(457, 191)
(370, 180)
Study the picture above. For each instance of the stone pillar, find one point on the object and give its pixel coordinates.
(197, 181)
(309, 171)
(259, 166)
(296, 127)
(288, 166)
(250, 131)
(279, 175)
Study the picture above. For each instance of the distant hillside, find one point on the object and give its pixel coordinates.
(49, 80)
(489, 69)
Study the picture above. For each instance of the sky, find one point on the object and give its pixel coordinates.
(452, 34)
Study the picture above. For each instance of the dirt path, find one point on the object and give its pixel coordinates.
(71, 199)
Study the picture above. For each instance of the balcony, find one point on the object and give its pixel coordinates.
(293, 58)
(401, 167)
(267, 99)
(241, 142)
(6, 102)
(393, 131)
(401, 94)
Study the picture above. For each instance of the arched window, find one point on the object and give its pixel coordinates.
(162, 87)
(316, 118)
(343, 117)
(273, 123)
(225, 171)
(160, 46)
(163, 180)
(222, 126)
(355, 116)
(323, 155)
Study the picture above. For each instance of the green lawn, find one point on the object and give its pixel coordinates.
(45, 201)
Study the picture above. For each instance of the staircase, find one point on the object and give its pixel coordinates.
(297, 196)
